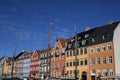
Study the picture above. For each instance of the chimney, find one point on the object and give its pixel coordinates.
(87, 28)
(110, 22)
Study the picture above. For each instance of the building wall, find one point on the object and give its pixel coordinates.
(94, 67)
(58, 64)
(26, 67)
(58, 58)
(5, 68)
(81, 67)
(43, 64)
(34, 64)
(19, 67)
(116, 41)
(1, 67)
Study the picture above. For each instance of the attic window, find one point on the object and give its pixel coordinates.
(105, 36)
(86, 35)
(94, 38)
(72, 40)
(69, 46)
(79, 38)
(83, 42)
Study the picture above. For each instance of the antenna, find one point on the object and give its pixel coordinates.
(49, 32)
(110, 22)
(14, 54)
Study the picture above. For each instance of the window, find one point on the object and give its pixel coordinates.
(105, 36)
(69, 46)
(110, 72)
(79, 38)
(83, 42)
(67, 64)
(77, 51)
(91, 50)
(71, 53)
(71, 63)
(85, 61)
(104, 60)
(67, 54)
(86, 35)
(77, 62)
(70, 73)
(98, 60)
(85, 50)
(81, 61)
(74, 62)
(95, 38)
(109, 59)
(97, 49)
(81, 51)
(98, 72)
(109, 46)
(103, 48)
(92, 61)
(104, 72)
(92, 72)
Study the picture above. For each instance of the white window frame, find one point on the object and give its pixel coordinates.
(98, 49)
(110, 59)
(91, 50)
(109, 46)
(103, 48)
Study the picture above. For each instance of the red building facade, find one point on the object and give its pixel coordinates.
(34, 64)
(58, 58)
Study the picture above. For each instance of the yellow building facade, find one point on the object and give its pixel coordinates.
(5, 68)
(82, 63)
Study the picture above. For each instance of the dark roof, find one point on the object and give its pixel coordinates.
(81, 38)
(94, 36)
(103, 34)
(20, 54)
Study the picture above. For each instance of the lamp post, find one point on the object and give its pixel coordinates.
(75, 56)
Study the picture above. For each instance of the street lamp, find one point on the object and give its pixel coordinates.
(75, 56)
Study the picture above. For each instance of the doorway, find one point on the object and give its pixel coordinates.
(84, 75)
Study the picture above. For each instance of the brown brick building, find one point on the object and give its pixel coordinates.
(58, 58)
(35, 64)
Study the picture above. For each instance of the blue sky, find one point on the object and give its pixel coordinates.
(30, 19)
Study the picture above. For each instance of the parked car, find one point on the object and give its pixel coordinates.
(13, 78)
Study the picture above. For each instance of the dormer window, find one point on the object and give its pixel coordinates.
(105, 36)
(94, 38)
(79, 38)
(72, 40)
(83, 42)
(69, 46)
(86, 35)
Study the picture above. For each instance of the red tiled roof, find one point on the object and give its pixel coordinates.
(63, 41)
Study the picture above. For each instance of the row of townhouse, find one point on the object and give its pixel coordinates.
(98, 52)
(92, 54)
